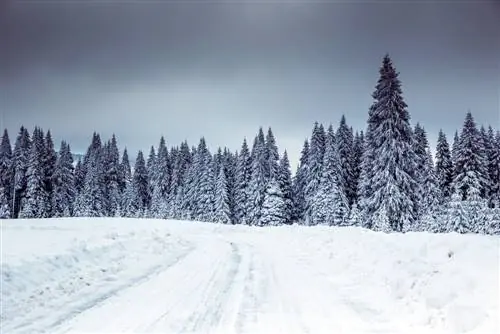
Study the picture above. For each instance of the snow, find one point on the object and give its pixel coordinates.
(114, 275)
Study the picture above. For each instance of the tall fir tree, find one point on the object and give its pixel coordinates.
(90, 202)
(161, 181)
(140, 185)
(358, 148)
(390, 143)
(112, 178)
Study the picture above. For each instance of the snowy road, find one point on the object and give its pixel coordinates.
(206, 278)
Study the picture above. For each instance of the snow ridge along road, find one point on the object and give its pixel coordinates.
(151, 276)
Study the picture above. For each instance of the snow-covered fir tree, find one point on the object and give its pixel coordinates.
(63, 183)
(242, 182)
(6, 172)
(258, 181)
(22, 149)
(203, 192)
(140, 186)
(391, 181)
(470, 165)
(4, 205)
(273, 207)
(358, 148)
(125, 172)
(492, 154)
(112, 177)
(456, 217)
(161, 182)
(476, 212)
(381, 221)
(34, 204)
(444, 167)
(354, 216)
(345, 144)
(49, 159)
(285, 183)
(330, 205)
(90, 202)
(272, 156)
(315, 164)
(222, 212)
(299, 184)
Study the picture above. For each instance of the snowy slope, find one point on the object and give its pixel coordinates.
(126, 275)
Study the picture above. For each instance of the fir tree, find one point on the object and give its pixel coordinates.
(4, 205)
(299, 184)
(125, 171)
(222, 212)
(6, 173)
(470, 166)
(112, 178)
(272, 156)
(161, 182)
(140, 183)
(49, 159)
(391, 181)
(22, 149)
(444, 167)
(258, 182)
(243, 178)
(90, 202)
(330, 205)
(314, 163)
(354, 216)
(456, 218)
(34, 204)
(273, 207)
(356, 162)
(285, 184)
(345, 144)
(63, 183)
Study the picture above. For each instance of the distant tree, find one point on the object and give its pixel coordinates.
(470, 165)
(258, 182)
(315, 164)
(22, 151)
(49, 158)
(63, 183)
(222, 211)
(285, 184)
(242, 179)
(273, 207)
(271, 156)
(345, 143)
(300, 183)
(6, 174)
(444, 167)
(356, 162)
(4, 205)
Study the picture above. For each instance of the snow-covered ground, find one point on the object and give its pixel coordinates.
(126, 275)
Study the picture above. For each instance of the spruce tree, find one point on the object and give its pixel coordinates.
(285, 184)
(272, 156)
(222, 212)
(354, 216)
(345, 144)
(112, 178)
(63, 183)
(161, 182)
(258, 181)
(34, 204)
(391, 181)
(49, 159)
(356, 162)
(4, 205)
(315, 164)
(22, 149)
(273, 206)
(444, 167)
(90, 202)
(470, 165)
(243, 179)
(299, 184)
(330, 205)
(456, 217)
(140, 186)
(6, 173)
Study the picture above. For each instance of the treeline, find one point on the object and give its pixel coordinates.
(383, 178)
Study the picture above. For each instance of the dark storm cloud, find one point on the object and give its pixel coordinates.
(221, 68)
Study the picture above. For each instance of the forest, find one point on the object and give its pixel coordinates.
(383, 177)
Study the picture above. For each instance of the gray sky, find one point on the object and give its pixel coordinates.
(221, 69)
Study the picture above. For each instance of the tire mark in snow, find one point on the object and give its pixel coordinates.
(215, 294)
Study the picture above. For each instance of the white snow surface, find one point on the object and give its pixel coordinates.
(153, 276)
